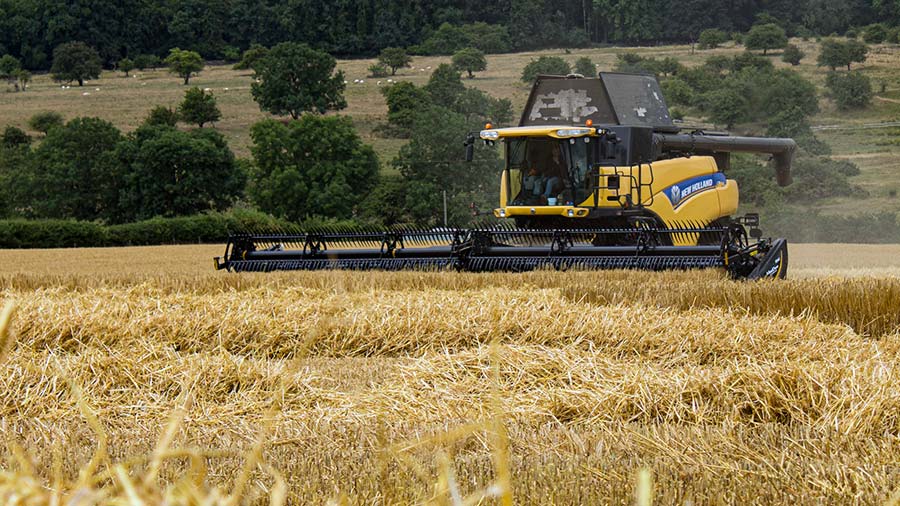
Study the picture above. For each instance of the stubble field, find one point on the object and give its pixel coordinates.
(139, 375)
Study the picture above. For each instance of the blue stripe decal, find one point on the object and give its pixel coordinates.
(678, 193)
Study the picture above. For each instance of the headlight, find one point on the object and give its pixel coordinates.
(503, 213)
(572, 132)
(491, 135)
(571, 213)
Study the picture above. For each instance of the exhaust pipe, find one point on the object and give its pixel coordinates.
(782, 150)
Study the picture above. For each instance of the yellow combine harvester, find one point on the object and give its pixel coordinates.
(596, 176)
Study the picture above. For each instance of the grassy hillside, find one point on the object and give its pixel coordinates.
(125, 101)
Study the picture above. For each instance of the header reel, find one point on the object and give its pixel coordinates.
(505, 248)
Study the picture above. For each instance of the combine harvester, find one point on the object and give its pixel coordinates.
(596, 176)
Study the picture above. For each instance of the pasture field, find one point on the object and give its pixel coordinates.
(126, 101)
(139, 375)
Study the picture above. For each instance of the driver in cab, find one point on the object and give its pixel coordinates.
(545, 185)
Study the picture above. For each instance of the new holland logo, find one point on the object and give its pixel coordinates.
(679, 194)
(676, 193)
(775, 267)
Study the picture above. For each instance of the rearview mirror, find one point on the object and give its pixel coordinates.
(470, 146)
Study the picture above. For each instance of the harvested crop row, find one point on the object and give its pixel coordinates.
(577, 416)
(851, 394)
(711, 384)
(284, 323)
(869, 305)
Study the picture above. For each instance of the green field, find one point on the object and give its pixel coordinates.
(125, 102)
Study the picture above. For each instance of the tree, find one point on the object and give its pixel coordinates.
(13, 137)
(489, 38)
(9, 68)
(395, 58)
(727, 106)
(146, 61)
(875, 34)
(404, 101)
(585, 67)
(835, 53)
(677, 92)
(15, 172)
(712, 38)
(473, 104)
(45, 121)
(444, 87)
(162, 116)
(850, 90)
(545, 65)
(166, 172)
(433, 162)
(500, 111)
(256, 53)
(856, 51)
(386, 203)
(775, 91)
(748, 60)
(377, 70)
(792, 54)
(669, 66)
(184, 63)
(294, 78)
(830, 16)
(470, 60)
(24, 78)
(766, 37)
(75, 61)
(126, 65)
(792, 123)
(447, 39)
(315, 166)
(231, 54)
(634, 63)
(73, 171)
(199, 107)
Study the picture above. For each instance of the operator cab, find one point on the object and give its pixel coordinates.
(543, 171)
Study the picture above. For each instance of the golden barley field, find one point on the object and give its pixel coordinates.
(139, 376)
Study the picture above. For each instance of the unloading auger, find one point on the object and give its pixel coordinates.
(597, 176)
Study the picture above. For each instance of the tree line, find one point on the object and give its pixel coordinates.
(30, 30)
(313, 166)
(316, 166)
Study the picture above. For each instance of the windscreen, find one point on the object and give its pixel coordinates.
(544, 171)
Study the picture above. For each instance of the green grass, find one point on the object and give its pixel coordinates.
(125, 102)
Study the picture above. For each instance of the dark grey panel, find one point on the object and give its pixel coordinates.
(614, 99)
(637, 100)
(560, 101)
